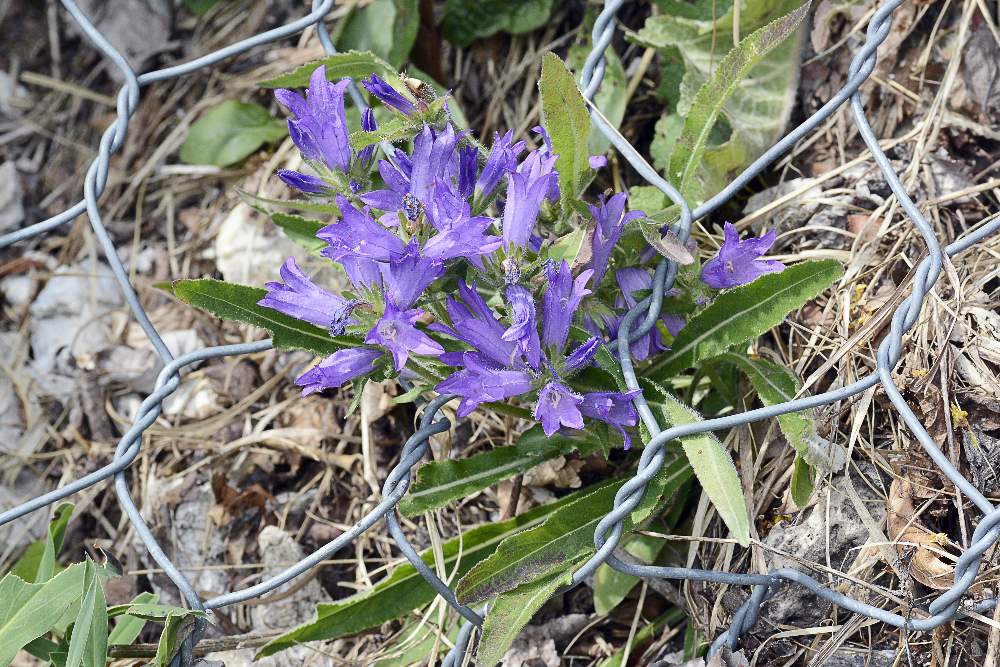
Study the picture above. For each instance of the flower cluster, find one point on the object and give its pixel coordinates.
(455, 283)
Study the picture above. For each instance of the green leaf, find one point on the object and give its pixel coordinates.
(229, 132)
(565, 117)
(802, 481)
(386, 28)
(610, 97)
(511, 612)
(28, 611)
(440, 482)
(301, 230)
(266, 204)
(151, 611)
(714, 469)
(38, 562)
(566, 535)
(752, 86)
(714, 93)
(465, 21)
(405, 590)
(353, 64)
(239, 302)
(128, 627)
(568, 247)
(200, 7)
(776, 384)
(88, 647)
(395, 129)
(743, 313)
(611, 586)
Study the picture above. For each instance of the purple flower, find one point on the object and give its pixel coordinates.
(396, 333)
(479, 381)
(411, 184)
(737, 262)
(597, 161)
(338, 368)
(311, 185)
(612, 407)
(560, 302)
(319, 126)
(475, 324)
(468, 164)
(526, 189)
(363, 273)
(609, 223)
(387, 94)
(406, 278)
(583, 354)
(558, 406)
(523, 331)
(636, 280)
(502, 159)
(300, 298)
(368, 124)
(631, 280)
(357, 235)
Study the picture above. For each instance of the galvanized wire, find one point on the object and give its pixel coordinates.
(609, 531)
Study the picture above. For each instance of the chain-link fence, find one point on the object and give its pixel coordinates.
(637, 322)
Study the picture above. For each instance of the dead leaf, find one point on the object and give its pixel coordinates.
(864, 226)
(925, 565)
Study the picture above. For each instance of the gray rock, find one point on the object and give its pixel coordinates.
(835, 529)
(138, 29)
(11, 196)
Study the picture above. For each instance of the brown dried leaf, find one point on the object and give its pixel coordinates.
(925, 565)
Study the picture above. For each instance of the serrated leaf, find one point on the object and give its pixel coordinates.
(440, 482)
(88, 646)
(229, 132)
(38, 562)
(239, 302)
(301, 230)
(386, 28)
(565, 117)
(128, 627)
(743, 313)
(464, 21)
(776, 384)
(353, 64)
(610, 97)
(405, 590)
(395, 129)
(714, 469)
(753, 87)
(266, 204)
(28, 611)
(151, 611)
(566, 535)
(716, 91)
(511, 612)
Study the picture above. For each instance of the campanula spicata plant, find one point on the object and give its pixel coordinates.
(491, 270)
(454, 251)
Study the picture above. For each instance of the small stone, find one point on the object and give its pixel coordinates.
(11, 196)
